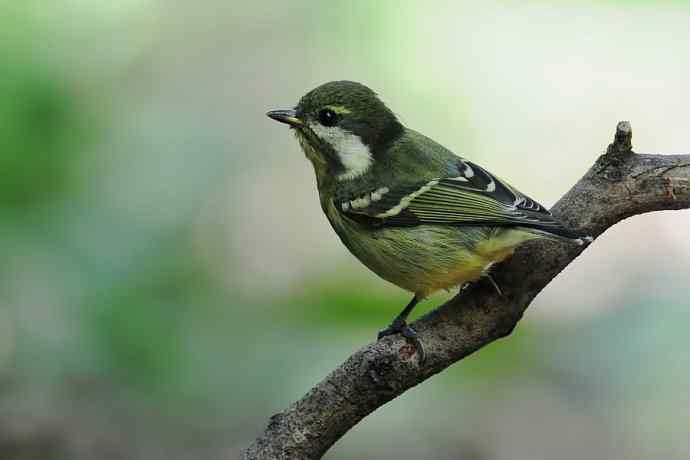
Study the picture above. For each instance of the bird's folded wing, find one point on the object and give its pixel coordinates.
(475, 197)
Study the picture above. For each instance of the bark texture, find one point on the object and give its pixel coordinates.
(620, 184)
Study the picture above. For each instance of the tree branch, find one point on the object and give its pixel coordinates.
(620, 184)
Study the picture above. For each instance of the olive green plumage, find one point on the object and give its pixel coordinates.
(412, 211)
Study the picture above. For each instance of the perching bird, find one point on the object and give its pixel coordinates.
(411, 210)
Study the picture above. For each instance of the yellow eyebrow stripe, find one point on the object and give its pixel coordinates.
(339, 109)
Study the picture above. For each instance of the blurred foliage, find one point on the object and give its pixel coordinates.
(43, 129)
(140, 322)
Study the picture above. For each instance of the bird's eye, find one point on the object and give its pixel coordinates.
(328, 117)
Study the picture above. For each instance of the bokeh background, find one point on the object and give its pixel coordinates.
(167, 279)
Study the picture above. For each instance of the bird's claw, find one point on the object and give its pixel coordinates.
(401, 327)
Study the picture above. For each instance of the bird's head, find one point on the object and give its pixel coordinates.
(342, 127)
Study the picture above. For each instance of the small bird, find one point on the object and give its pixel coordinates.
(412, 211)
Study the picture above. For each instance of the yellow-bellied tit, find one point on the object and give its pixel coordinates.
(411, 210)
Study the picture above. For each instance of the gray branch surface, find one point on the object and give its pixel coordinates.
(620, 184)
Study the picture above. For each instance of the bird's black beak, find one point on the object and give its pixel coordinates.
(289, 117)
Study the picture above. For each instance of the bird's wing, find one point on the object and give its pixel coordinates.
(474, 197)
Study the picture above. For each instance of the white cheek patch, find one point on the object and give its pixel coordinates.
(353, 153)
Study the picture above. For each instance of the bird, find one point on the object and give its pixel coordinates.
(415, 213)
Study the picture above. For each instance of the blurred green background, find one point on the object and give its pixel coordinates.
(167, 280)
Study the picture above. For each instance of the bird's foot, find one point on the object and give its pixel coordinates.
(400, 326)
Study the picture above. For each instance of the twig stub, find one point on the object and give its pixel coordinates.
(608, 166)
(622, 141)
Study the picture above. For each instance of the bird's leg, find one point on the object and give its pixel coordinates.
(399, 325)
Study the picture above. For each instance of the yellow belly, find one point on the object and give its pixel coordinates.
(474, 265)
(471, 269)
